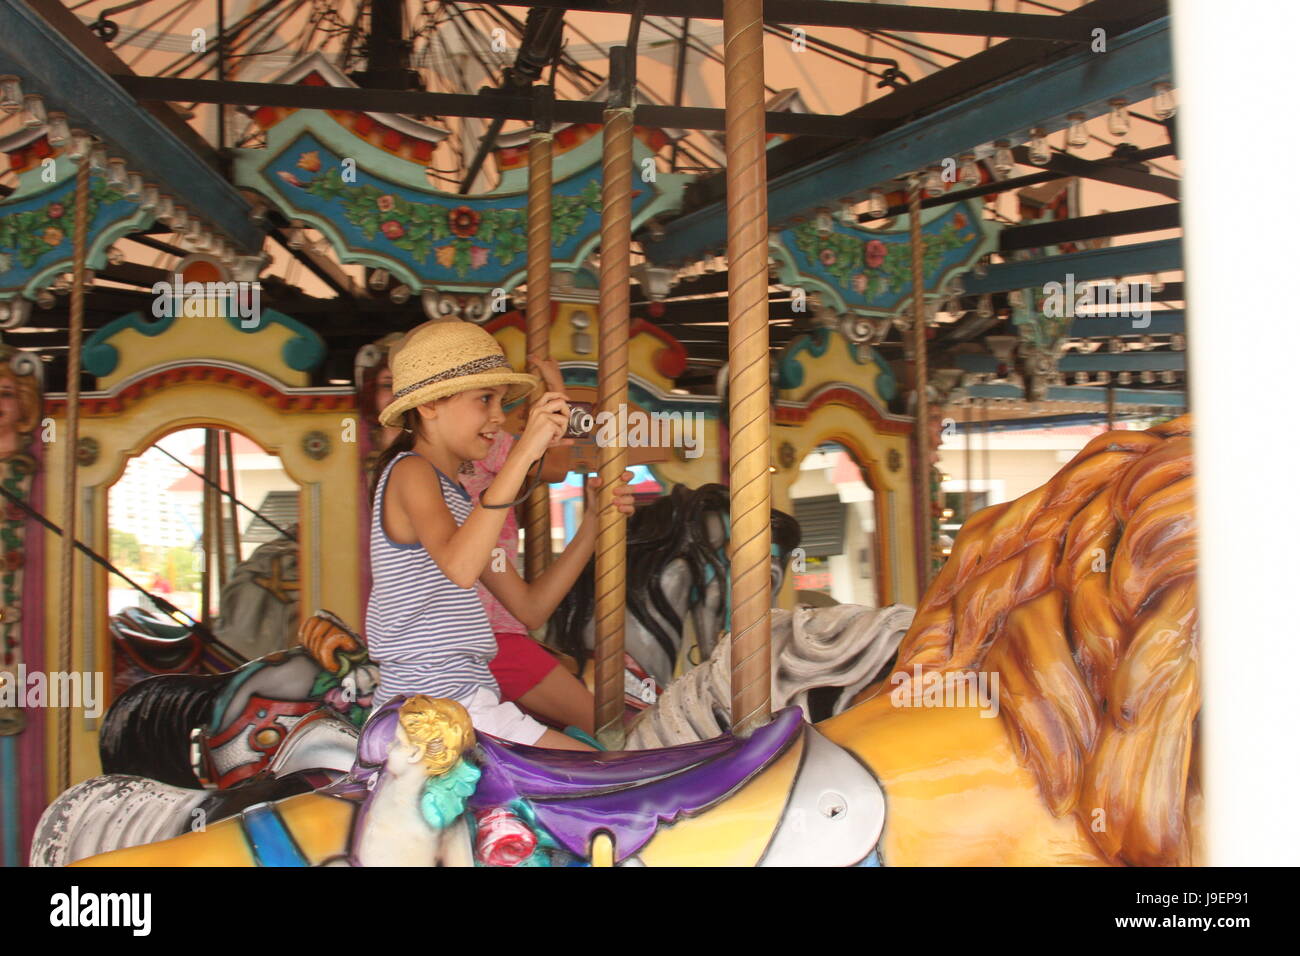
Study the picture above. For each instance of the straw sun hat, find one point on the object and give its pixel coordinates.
(438, 359)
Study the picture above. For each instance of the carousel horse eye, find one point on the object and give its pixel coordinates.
(832, 805)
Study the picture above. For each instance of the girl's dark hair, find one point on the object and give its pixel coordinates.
(405, 441)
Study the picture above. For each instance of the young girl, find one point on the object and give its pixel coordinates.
(425, 625)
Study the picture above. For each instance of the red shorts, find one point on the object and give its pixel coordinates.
(520, 665)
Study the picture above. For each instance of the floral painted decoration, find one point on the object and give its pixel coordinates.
(31, 234)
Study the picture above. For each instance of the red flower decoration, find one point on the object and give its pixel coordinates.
(13, 560)
(827, 256)
(874, 254)
(463, 221)
(392, 229)
(54, 210)
(14, 513)
(385, 203)
(504, 839)
(959, 220)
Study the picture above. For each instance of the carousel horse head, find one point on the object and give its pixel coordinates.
(676, 563)
(1076, 604)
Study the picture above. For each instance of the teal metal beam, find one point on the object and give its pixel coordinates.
(1084, 82)
(1097, 362)
(1168, 322)
(48, 64)
(1163, 255)
(1084, 393)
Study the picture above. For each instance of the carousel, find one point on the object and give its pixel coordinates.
(752, 307)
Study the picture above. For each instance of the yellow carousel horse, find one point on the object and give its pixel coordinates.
(1042, 711)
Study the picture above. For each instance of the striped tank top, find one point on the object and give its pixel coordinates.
(427, 635)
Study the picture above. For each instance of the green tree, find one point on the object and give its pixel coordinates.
(124, 548)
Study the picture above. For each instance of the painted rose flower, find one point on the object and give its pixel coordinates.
(54, 210)
(289, 177)
(310, 161)
(14, 513)
(336, 697)
(874, 254)
(446, 256)
(385, 203)
(478, 257)
(52, 235)
(504, 839)
(827, 257)
(859, 282)
(959, 220)
(392, 229)
(463, 221)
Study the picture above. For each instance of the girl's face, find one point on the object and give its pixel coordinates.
(469, 421)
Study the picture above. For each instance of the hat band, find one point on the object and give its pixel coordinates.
(485, 364)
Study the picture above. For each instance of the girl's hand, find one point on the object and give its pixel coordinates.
(623, 498)
(547, 421)
(548, 370)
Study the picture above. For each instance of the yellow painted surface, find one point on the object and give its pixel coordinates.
(320, 827)
(955, 793)
(736, 831)
(211, 337)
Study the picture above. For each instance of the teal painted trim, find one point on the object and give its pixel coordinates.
(1165, 255)
(1083, 393)
(47, 64)
(9, 805)
(302, 353)
(790, 369)
(1083, 81)
(886, 383)
(1170, 322)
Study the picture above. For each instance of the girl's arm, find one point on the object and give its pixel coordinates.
(463, 552)
(533, 602)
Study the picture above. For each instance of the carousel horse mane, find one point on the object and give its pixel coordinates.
(146, 731)
(669, 528)
(1081, 595)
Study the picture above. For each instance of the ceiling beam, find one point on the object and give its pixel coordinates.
(1035, 235)
(1165, 255)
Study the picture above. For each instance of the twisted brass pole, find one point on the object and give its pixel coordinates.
(537, 509)
(611, 537)
(749, 367)
(922, 374)
(77, 311)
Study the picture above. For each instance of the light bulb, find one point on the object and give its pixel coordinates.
(180, 219)
(1168, 376)
(1080, 378)
(33, 111)
(11, 93)
(1117, 118)
(134, 187)
(115, 175)
(115, 256)
(956, 286)
(296, 240)
(1040, 153)
(194, 232)
(985, 308)
(165, 208)
(1164, 106)
(1157, 284)
(56, 129)
(399, 294)
(932, 182)
(1077, 135)
(1146, 377)
(969, 174)
(1004, 163)
(98, 158)
(1103, 378)
(1124, 378)
(877, 205)
(823, 223)
(62, 283)
(45, 299)
(78, 145)
(981, 267)
(379, 280)
(848, 215)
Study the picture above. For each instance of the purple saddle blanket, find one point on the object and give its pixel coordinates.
(576, 795)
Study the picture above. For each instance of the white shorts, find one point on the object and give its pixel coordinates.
(506, 721)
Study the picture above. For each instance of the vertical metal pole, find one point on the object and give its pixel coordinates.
(210, 557)
(615, 271)
(749, 367)
(76, 318)
(923, 476)
(537, 510)
(234, 509)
